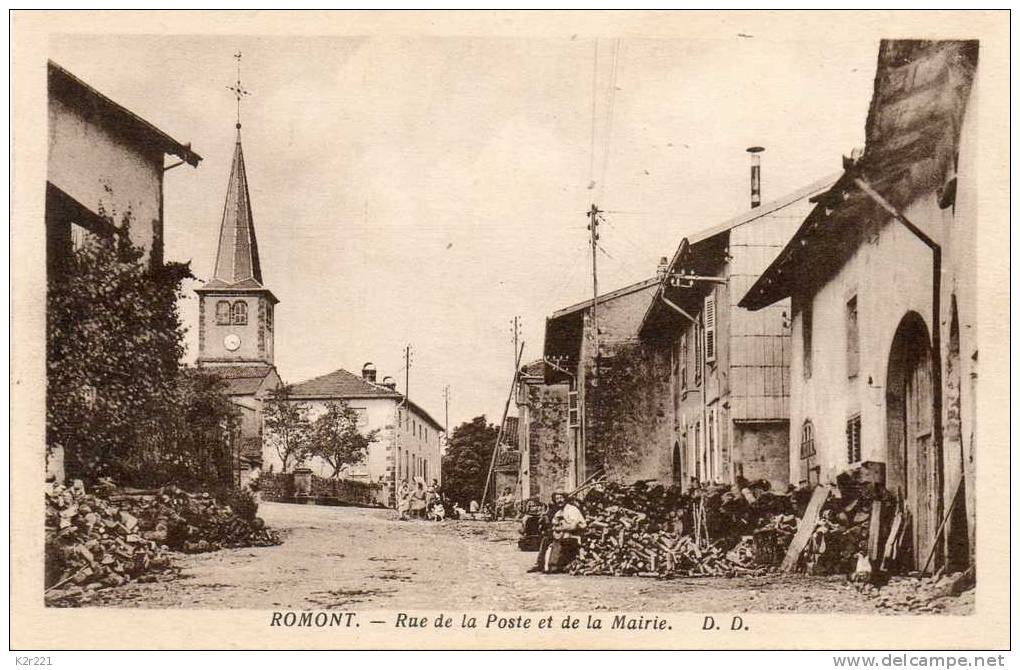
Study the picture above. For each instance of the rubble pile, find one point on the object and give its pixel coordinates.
(661, 532)
(918, 594)
(111, 537)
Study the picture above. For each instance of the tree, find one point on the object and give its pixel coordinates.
(114, 344)
(336, 439)
(288, 428)
(466, 461)
(198, 437)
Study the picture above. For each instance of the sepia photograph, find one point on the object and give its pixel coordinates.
(373, 327)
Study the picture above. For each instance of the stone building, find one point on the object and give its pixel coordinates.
(613, 403)
(105, 170)
(724, 409)
(236, 314)
(408, 445)
(544, 433)
(882, 278)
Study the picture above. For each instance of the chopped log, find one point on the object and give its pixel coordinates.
(805, 528)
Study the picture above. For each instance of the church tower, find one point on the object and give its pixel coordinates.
(235, 308)
(235, 315)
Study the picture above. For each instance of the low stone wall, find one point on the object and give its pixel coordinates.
(279, 487)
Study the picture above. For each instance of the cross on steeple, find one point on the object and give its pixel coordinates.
(238, 90)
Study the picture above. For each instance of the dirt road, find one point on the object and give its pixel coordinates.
(337, 557)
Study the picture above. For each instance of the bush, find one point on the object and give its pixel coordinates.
(241, 501)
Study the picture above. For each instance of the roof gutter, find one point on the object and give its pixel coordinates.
(675, 307)
(936, 330)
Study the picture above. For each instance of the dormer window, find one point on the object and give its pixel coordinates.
(223, 313)
(239, 313)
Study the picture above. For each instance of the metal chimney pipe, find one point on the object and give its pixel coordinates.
(755, 175)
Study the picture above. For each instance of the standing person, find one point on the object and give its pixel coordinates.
(403, 500)
(431, 495)
(418, 501)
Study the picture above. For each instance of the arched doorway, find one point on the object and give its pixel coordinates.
(678, 464)
(911, 461)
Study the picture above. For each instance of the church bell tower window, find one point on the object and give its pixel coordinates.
(240, 313)
(223, 313)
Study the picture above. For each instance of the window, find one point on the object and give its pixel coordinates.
(80, 237)
(806, 335)
(853, 352)
(222, 313)
(810, 472)
(710, 328)
(683, 360)
(853, 439)
(239, 313)
(807, 440)
(269, 317)
(573, 413)
(697, 353)
(711, 446)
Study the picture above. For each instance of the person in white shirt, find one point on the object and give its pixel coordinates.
(564, 527)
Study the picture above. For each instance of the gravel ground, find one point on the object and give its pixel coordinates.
(351, 558)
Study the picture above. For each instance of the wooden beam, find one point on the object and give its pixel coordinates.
(805, 527)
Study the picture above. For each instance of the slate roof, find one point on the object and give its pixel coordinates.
(241, 379)
(341, 384)
(911, 140)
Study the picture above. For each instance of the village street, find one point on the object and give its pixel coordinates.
(354, 558)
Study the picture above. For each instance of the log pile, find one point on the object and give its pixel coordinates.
(661, 532)
(856, 530)
(110, 537)
(92, 543)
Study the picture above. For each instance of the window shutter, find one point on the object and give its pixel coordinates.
(573, 410)
(709, 329)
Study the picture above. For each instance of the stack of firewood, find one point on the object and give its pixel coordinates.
(93, 543)
(660, 532)
(111, 537)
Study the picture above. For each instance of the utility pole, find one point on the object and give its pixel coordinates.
(593, 226)
(407, 372)
(446, 402)
(515, 330)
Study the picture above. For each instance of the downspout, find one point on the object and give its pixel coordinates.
(704, 375)
(936, 332)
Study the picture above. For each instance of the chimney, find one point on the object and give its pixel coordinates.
(368, 372)
(663, 268)
(389, 383)
(755, 175)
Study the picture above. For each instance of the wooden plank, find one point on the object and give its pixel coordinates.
(890, 544)
(875, 530)
(805, 528)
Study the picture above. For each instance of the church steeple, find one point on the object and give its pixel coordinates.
(235, 307)
(237, 257)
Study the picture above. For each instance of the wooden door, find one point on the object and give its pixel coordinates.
(921, 482)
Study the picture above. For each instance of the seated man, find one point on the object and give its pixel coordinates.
(505, 504)
(562, 541)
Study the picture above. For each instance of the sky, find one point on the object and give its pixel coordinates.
(426, 190)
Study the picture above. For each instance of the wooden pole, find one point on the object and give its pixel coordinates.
(938, 533)
(502, 423)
